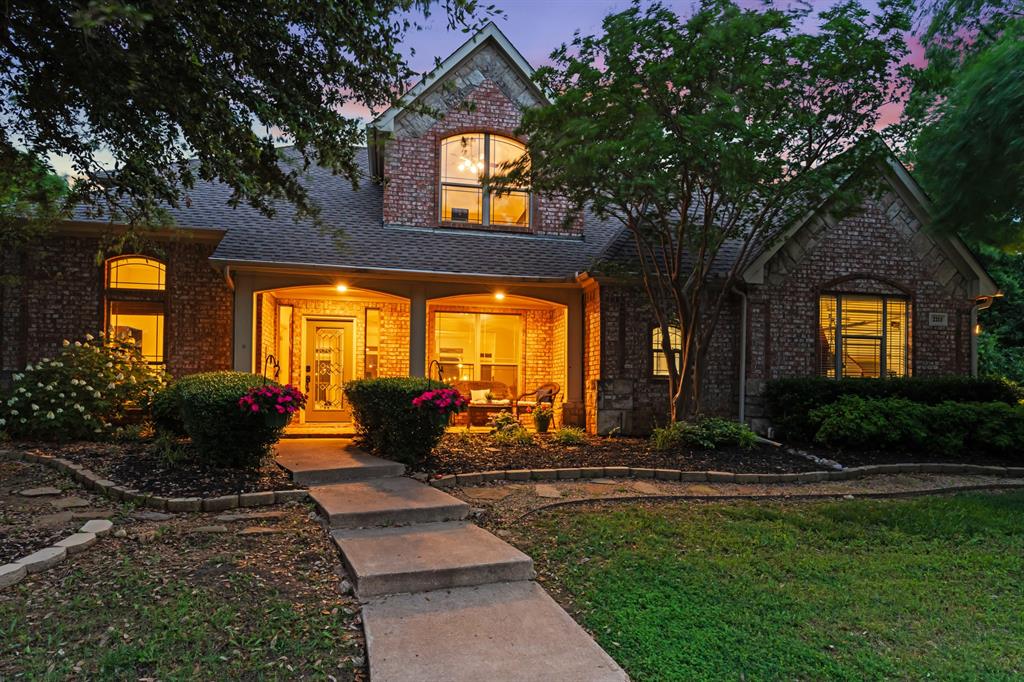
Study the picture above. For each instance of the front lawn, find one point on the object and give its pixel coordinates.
(853, 590)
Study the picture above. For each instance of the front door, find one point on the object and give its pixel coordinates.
(329, 356)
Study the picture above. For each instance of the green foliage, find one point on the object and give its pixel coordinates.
(570, 435)
(221, 432)
(86, 393)
(503, 420)
(165, 411)
(709, 433)
(948, 428)
(388, 424)
(721, 126)
(790, 401)
(925, 588)
(543, 414)
(193, 90)
(514, 434)
(31, 199)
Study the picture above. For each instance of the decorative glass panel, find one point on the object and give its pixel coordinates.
(659, 363)
(328, 369)
(510, 209)
(141, 321)
(136, 272)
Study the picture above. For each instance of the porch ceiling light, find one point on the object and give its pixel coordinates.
(499, 295)
(341, 288)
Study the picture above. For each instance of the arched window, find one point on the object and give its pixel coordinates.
(659, 362)
(135, 302)
(467, 161)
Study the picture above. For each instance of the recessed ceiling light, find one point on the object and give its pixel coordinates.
(499, 295)
(341, 288)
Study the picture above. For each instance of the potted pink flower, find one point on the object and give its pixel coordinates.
(444, 402)
(275, 404)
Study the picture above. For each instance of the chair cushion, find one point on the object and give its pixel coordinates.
(478, 395)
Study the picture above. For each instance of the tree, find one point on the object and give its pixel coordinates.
(964, 119)
(713, 130)
(170, 92)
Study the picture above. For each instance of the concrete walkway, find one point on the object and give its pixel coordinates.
(443, 598)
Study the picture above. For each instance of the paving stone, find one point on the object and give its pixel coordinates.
(543, 474)
(43, 559)
(70, 502)
(616, 472)
(491, 494)
(518, 474)
(666, 474)
(499, 632)
(545, 490)
(184, 504)
(42, 491)
(157, 502)
(10, 574)
(747, 478)
(151, 516)
(105, 484)
(51, 520)
(251, 516)
(210, 529)
(721, 476)
(282, 496)
(493, 475)
(97, 526)
(212, 504)
(645, 488)
(77, 542)
(591, 472)
(595, 489)
(605, 481)
(642, 472)
(567, 474)
(693, 476)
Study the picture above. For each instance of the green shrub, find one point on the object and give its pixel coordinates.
(387, 422)
(88, 392)
(221, 432)
(503, 420)
(709, 433)
(570, 435)
(515, 434)
(790, 401)
(165, 410)
(895, 424)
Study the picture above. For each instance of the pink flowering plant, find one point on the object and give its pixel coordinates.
(444, 401)
(272, 399)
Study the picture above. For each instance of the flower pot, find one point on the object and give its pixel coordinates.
(276, 420)
(542, 425)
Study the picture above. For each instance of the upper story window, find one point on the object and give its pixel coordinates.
(863, 336)
(467, 161)
(135, 302)
(659, 361)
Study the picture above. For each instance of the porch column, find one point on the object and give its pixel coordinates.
(417, 333)
(244, 331)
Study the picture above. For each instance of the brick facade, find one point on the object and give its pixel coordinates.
(882, 249)
(55, 291)
(484, 94)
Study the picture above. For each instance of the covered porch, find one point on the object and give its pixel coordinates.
(497, 343)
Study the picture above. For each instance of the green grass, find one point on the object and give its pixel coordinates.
(852, 590)
(142, 625)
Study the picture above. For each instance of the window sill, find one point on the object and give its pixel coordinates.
(518, 229)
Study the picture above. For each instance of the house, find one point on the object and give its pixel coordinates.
(436, 273)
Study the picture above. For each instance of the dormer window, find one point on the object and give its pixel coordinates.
(467, 161)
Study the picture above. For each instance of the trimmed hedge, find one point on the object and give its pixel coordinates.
(949, 428)
(222, 432)
(165, 410)
(790, 401)
(387, 422)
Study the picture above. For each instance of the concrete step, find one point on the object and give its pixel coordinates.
(498, 633)
(430, 556)
(391, 501)
(322, 461)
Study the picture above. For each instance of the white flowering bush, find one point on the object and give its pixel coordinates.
(85, 393)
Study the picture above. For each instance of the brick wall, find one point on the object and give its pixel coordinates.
(591, 353)
(393, 354)
(55, 292)
(484, 94)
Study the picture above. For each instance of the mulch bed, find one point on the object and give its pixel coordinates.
(142, 466)
(856, 458)
(468, 452)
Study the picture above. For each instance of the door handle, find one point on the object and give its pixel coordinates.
(307, 378)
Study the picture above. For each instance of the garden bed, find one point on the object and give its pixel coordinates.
(148, 468)
(856, 458)
(468, 452)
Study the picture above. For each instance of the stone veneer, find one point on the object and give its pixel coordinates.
(54, 292)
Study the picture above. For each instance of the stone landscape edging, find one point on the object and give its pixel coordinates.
(46, 558)
(478, 477)
(113, 490)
